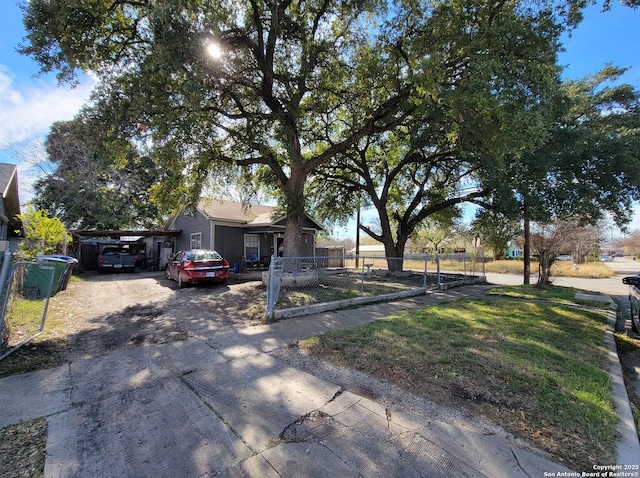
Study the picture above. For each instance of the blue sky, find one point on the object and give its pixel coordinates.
(30, 104)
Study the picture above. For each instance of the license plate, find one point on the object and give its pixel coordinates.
(210, 274)
(117, 266)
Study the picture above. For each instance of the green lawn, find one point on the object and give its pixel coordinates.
(333, 291)
(536, 367)
(23, 323)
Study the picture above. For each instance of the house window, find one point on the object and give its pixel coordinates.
(252, 247)
(196, 240)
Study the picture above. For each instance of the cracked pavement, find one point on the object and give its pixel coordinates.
(219, 405)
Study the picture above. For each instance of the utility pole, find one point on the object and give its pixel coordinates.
(358, 234)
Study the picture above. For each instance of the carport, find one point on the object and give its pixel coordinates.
(155, 243)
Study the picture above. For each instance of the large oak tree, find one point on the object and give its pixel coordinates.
(291, 85)
(273, 99)
(588, 166)
(486, 99)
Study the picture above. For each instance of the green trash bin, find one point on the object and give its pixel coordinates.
(39, 281)
(61, 267)
(70, 262)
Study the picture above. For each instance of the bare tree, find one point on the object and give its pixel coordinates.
(548, 241)
(585, 241)
(631, 242)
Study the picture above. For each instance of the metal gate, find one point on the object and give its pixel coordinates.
(25, 298)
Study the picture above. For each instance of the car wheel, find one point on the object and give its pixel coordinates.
(166, 273)
(635, 323)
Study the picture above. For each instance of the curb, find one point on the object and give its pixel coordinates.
(628, 447)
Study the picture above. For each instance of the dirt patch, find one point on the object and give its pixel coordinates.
(104, 313)
(107, 313)
(27, 459)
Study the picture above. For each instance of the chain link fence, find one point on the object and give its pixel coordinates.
(305, 285)
(26, 289)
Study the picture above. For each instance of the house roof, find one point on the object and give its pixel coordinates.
(252, 215)
(235, 212)
(9, 189)
(7, 172)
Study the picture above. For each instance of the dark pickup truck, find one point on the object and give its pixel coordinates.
(113, 257)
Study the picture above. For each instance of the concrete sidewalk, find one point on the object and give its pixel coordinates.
(220, 406)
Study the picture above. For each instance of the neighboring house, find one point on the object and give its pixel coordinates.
(250, 234)
(514, 252)
(9, 206)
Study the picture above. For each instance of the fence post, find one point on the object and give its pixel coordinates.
(4, 273)
(276, 266)
(362, 280)
(438, 271)
(424, 280)
(4, 285)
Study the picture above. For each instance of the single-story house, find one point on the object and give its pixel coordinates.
(514, 252)
(244, 235)
(9, 207)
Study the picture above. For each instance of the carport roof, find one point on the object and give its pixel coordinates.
(117, 234)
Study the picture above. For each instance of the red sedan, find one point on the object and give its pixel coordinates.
(198, 265)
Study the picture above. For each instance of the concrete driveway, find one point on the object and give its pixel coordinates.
(216, 403)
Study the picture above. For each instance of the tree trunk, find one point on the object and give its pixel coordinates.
(544, 269)
(395, 254)
(293, 245)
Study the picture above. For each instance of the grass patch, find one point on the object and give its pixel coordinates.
(22, 449)
(565, 295)
(45, 350)
(593, 270)
(297, 297)
(531, 292)
(537, 368)
(626, 344)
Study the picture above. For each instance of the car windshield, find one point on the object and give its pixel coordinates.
(203, 256)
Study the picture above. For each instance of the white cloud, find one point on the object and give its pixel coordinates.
(28, 111)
